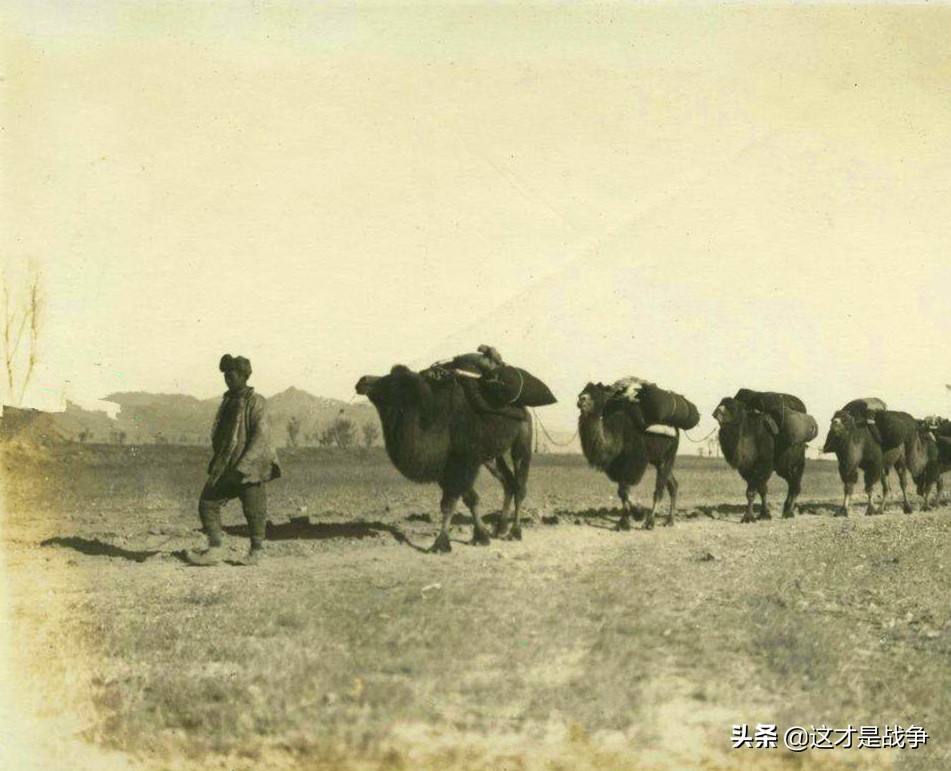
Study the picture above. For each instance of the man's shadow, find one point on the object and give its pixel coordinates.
(302, 530)
(93, 547)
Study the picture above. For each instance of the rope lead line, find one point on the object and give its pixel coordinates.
(545, 431)
(698, 441)
(575, 435)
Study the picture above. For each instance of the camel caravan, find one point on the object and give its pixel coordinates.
(442, 424)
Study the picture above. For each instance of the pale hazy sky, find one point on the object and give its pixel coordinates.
(708, 198)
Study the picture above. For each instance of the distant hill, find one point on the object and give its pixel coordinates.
(315, 413)
(147, 418)
(175, 418)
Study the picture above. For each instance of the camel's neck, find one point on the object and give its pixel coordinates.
(738, 442)
(601, 445)
(415, 451)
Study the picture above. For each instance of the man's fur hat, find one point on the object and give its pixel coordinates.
(237, 364)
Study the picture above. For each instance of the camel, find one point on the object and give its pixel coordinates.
(613, 443)
(857, 447)
(936, 437)
(433, 434)
(938, 463)
(750, 447)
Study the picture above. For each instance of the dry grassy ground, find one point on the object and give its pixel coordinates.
(579, 647)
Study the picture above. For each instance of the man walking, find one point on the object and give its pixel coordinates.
(243, 462)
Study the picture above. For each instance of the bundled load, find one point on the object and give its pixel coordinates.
(667, 407)
(864, 409)
(500, 385)
(513, 385)
(655, 405)
(771, 403)
(628, 388)
(787, 414)
(894, 428)
(798, 427)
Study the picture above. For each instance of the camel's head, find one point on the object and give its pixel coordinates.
(729, 411)
(365, 384)
(926, 429)
(591, 399)
(842, 424)
(934, 424)
(398, 389)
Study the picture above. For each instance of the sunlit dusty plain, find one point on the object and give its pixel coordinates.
(578, 647)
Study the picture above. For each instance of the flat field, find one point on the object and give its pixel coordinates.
(348, 647)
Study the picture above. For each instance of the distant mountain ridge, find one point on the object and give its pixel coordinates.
(148, 418)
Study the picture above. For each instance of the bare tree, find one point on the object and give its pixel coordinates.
(293, 431)
(83, 435)
(21, 324)
(370, 433)
(327, 437)
(344, 431)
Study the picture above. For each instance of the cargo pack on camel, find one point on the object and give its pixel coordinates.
(650, 405)
(865, 411)
(787, 414)
(491, 385)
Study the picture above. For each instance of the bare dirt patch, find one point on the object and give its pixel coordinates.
(579, 647)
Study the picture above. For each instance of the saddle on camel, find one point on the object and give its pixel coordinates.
(491, 385)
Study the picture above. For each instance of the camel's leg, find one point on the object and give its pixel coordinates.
(623, 492)
(500, 470)
(925, 492)
(764, 512)
(903, 483)
(886, 492)
(459, 476)
(521, 463)
(447, 507)
(480, 533)
(750, 498)
(848, 487)
(793, 487)
(939, 490)
(664, 470)
(672, 487)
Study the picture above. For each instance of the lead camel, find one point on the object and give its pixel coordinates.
(433, 433)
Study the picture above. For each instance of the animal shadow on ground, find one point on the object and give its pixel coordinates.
(306, 531)
(96, 548)
(603, 518)
(733, 512)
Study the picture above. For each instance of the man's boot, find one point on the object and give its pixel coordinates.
(210, 556)
(255, 555)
